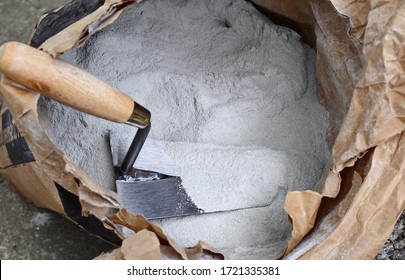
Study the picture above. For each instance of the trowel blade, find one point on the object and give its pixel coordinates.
(156, 199)
(162, 197)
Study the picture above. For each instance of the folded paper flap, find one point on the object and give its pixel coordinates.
(70, 25)
(142, 246)
(302, 208)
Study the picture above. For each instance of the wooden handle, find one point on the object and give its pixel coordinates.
(69, 85)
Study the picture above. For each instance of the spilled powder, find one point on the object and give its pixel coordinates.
(233, 102)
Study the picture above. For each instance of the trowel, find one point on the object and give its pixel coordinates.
(34, 70)
(149, 182)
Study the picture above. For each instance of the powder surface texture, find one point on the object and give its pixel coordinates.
(234, 104)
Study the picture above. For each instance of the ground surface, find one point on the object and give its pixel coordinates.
(27, 232)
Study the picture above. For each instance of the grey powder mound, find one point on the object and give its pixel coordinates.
(233, 102)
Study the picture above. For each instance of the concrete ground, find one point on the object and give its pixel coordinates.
(27, 232)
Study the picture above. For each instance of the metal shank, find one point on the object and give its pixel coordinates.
(134, 149)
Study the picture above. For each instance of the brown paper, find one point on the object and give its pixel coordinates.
(362, 51)
(138, 223)
(75, 34)
(360, 74)
(142, 246)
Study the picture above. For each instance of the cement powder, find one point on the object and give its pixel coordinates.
(233, 101)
